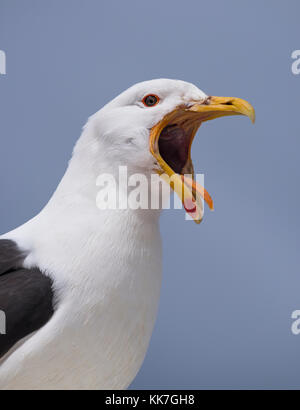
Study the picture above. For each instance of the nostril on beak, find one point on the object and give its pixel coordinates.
(207, 101)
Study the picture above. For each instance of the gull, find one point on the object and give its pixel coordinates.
(80, 285)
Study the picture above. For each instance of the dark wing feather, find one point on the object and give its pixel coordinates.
(10, 256)
(26, 296)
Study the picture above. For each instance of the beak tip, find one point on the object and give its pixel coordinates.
(250, 112)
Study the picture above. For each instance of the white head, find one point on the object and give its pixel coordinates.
(150, 127)
(122, 126)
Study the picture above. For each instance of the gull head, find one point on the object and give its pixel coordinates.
(150, 128)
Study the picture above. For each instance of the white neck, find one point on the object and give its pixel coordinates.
(106, 270)
(78, 186)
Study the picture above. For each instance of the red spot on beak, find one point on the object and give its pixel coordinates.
(190, 206)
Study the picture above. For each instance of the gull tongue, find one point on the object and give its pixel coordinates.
(200, 190)
(192, 206)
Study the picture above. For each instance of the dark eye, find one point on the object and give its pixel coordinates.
(150, 100)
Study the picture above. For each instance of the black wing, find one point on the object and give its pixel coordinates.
(26, 297)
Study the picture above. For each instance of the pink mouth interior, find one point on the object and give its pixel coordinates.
(174, 143)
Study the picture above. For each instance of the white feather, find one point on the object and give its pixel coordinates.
(105, 265)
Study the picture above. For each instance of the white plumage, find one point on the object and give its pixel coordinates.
(105, 265)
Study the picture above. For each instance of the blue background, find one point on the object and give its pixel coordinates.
(231, 284)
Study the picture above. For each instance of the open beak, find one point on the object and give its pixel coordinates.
(171, 141)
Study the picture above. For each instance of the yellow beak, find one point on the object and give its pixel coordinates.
(189, 118)
(215, 107)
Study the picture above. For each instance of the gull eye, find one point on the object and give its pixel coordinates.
(150, 100)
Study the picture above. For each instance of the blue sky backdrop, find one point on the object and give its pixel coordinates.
(231, 284)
